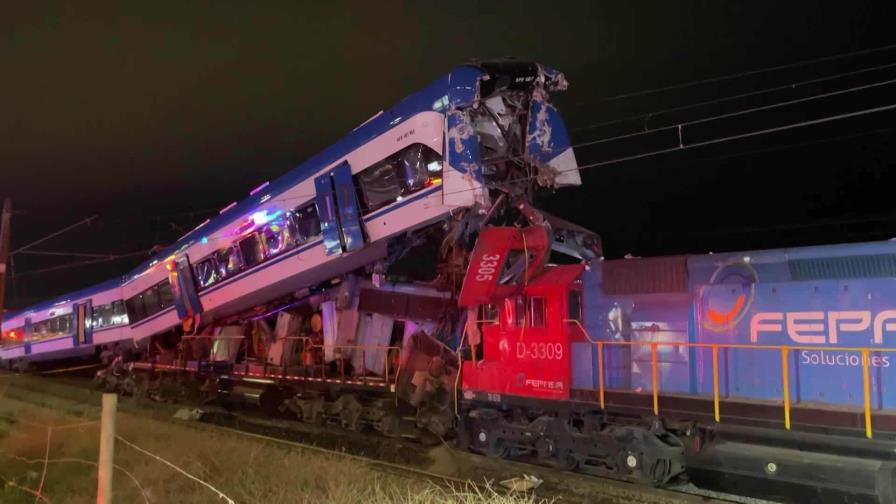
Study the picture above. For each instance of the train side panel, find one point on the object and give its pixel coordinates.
(823, 303)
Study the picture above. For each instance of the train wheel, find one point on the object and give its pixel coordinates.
(270, 400)
(350, 412)
(629, 462)
(490, 444)
(390, 425)
(551, 454)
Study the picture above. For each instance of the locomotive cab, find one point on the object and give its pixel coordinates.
(525, 348)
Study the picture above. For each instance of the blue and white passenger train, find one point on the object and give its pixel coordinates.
(418, 163)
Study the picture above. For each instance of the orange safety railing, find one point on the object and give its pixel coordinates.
(714, 347)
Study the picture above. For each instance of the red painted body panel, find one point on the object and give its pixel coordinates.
(494, 256)
(529, 355)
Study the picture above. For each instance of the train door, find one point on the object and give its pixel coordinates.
(183, 288)
(83, 313)
(26, 338)
(337, 206)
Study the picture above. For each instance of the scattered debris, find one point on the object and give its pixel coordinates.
(523, 483)
(188, 414)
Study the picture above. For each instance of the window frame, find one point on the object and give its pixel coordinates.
(578, 317)
(151, 300)
(541, 311)
(300, 217)
(259, 243)
(520, 309)
(395, 160)
(212, 259)
(135, 304)
(165, 286)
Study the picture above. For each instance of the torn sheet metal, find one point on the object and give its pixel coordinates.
(462, 176)
(548, 145)
(374, 333)
(227, 343)
(328, 314)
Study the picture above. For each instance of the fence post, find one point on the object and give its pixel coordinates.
(107, 449)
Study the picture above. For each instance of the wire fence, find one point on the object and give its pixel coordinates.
(49, 453)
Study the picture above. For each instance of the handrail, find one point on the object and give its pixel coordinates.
(785, 368)
(309, 344)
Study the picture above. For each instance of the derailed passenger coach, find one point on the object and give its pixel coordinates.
(336, 212)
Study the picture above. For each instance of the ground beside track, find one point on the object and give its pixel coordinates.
(268, 469)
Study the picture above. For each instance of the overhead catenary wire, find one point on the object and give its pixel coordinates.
(115, 257)
(740, 112)
(55, 234)
(793, 85)
(747, 73)
(684, 145)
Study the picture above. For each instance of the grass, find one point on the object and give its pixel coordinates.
(243, 469)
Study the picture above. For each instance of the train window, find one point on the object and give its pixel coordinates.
(520, 311)
(40, 330)
(251, 250)
(136, 310)
(119, 313)
(514, 268)
(151, 301)
(102, 316)
(56, 326)
(536, 311)
(65, 324)
(489, 313)
(308, 223)
(111, 314)
(405, 172)
(229, 262)
(379, 185)
(574, 305)
(166, 296)
(417, 167)
(279, 236)
(272, 239)
(206, 272)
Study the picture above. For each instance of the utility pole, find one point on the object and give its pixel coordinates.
(4, 253)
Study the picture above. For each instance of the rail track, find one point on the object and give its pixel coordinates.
(441, 464)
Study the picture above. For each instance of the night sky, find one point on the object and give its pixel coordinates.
(154, 116)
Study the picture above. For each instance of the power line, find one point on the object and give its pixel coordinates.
(790, 145)
(684, 146)
(53, 235)
(746, 73)
(64, 254)
(82, 263)
(740, 112)
(793, 85)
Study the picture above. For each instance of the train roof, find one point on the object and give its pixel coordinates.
(808, 252)
(427, 99)
(71, 296)
(433, 97)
